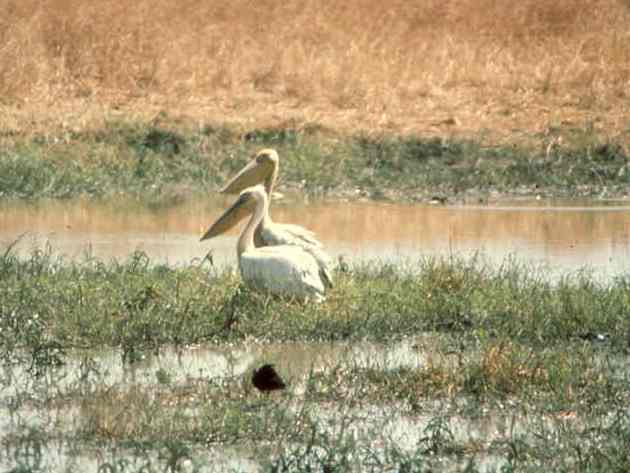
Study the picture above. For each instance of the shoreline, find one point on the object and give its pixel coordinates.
(165, 162)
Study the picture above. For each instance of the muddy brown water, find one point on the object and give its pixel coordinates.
(565, 236)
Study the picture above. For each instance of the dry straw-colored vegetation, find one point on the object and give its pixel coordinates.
(440, 66)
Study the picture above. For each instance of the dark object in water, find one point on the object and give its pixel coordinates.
(593, 337)
(266, 379)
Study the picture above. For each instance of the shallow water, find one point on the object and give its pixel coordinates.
(65, 456)
(564, 236)
(25, 399)
(27, 414)
(296, 360)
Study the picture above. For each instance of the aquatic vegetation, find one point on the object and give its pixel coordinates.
(533, 358)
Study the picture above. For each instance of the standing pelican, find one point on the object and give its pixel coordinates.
(286, 270)
(264, 169)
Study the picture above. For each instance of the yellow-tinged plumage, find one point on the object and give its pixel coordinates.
(286, 270)
(263, 169)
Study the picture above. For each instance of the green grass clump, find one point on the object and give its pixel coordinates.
(160, 165)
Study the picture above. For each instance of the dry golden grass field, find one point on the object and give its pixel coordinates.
(494, 69)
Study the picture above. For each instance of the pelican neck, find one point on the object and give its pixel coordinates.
(260, 215)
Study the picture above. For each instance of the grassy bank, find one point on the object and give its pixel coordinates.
(162, 164)
(136, 304)
(513, 368)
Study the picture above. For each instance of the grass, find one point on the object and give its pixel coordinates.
(465, 68)
(543, 360)
(135, 303)
(162, 165)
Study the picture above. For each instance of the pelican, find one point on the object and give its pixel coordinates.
(286, 270)
(264, 169)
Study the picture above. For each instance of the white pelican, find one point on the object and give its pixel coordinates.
(264, 169)
(286, 270)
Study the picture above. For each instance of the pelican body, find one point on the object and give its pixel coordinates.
(264, 169)
(285, 270)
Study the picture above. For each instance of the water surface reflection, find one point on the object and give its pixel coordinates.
(555, 234)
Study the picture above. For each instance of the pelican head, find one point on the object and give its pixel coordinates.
(244, 205)
(262, 169)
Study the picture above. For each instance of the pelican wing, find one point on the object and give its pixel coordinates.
(286, 270)
(324, 262)
(288, 234)
(294, 235)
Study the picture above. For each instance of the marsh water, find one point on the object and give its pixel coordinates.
(558, 235)
(298, 362)
(371, 425)
(562, 236)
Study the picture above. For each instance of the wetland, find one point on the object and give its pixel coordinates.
(465, 163)
(457, 337)
(479, 319)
